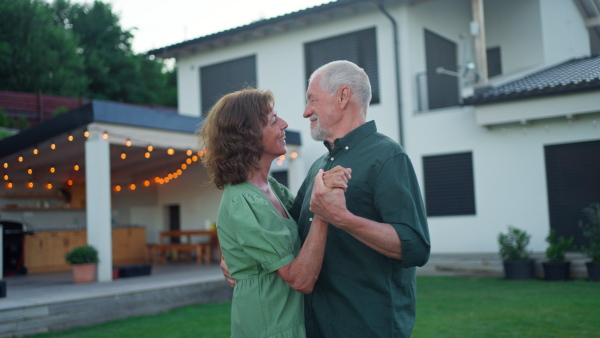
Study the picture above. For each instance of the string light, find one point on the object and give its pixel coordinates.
(150, 147)
(5, 164)
(117, 188)
(76, 167)
(279, 163)
(35, 151)
(188, 160)
(170, 151)
(175, 175)
(194, 158)
(53, 146)
(52, 169)
(294, 154)
(179, 172)
(200, 153)
(70, 137)
(184, 166)
(30, 184)
(132, 186)
(282, 157)
(70, 182)
(86, 133)
(188, 152)
(146, 183)
(29, 171)
(5, 176)
(49, 186)
(157, 179)
(147, 154)
(123, 155)
(105, 135)
(9, 185)
(170, 176)
(128, 143)
(20, 158)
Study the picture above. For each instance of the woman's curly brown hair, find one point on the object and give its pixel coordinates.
(232, 135)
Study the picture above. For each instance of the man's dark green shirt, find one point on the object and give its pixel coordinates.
(360, 292)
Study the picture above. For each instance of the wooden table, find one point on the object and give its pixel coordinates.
(158, 252)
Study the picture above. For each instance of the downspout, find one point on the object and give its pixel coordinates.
(397, 70)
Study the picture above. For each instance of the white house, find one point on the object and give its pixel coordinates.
(496, 102)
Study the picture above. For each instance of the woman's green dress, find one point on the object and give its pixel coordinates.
(256, 241)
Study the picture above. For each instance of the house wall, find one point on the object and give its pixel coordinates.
(509, 168)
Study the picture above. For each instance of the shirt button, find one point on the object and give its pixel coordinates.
(346, 148)
(310, 219)
(332, 159)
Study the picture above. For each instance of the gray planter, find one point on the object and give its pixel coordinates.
(519, 270)
(557, 271)
(593, 271)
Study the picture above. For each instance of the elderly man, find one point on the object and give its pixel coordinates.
(367, 284)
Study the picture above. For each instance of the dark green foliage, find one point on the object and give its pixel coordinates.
(591, 232)
(557, 246)
(82, 255)
(77, 50)
(513, 245)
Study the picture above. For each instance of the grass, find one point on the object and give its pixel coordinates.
(446, 307)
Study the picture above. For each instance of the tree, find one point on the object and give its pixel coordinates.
(37, 55)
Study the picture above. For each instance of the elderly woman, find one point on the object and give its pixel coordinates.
(259, 239)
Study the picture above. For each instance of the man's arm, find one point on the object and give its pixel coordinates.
(330, 205)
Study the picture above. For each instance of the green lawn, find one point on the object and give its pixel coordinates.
(446, 307)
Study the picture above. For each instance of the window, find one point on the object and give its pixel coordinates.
(573, 184)
(358, 47)
(449, 186)
(223, 78)
(442, 88)
(494, 61)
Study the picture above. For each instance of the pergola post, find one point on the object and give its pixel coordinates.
(98, 202)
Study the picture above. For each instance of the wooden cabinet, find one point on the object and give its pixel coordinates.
(45, 251)
(129, 246)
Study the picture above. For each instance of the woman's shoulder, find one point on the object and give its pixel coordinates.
(242, 193)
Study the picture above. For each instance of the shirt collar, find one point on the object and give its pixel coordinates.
(354, 137)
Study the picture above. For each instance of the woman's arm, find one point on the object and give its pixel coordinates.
(303, 272)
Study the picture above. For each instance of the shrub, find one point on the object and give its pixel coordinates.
(82, 255)
(591, 232)
(513, 245)
(557, 246)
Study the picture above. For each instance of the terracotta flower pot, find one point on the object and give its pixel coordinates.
(84, 273)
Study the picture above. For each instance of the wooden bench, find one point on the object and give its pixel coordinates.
(158, 252)
(169, 242)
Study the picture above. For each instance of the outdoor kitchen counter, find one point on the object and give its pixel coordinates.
(45, 250)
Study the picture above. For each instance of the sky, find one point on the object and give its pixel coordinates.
(160, 23)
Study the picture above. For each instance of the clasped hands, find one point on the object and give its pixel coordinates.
(327, 201)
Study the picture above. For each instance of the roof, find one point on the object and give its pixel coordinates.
(99, 111)
(267, 27)
(571, 76)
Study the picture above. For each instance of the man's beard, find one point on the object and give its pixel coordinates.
(317, 132)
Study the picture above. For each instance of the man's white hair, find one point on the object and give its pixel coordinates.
(345, 73)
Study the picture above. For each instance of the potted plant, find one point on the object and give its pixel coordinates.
(591, 240)
(515, 255)
(83, 260)
(556, 268)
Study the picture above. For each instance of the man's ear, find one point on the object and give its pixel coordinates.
(344, 97)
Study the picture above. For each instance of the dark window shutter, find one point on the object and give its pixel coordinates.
(573, 180)
(224, 78)
(494, 61)
(281, 177)
(358, 47)
(449, 186)
(442, 89)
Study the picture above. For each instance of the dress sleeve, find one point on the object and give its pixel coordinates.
(260, 231)
(399, 202)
